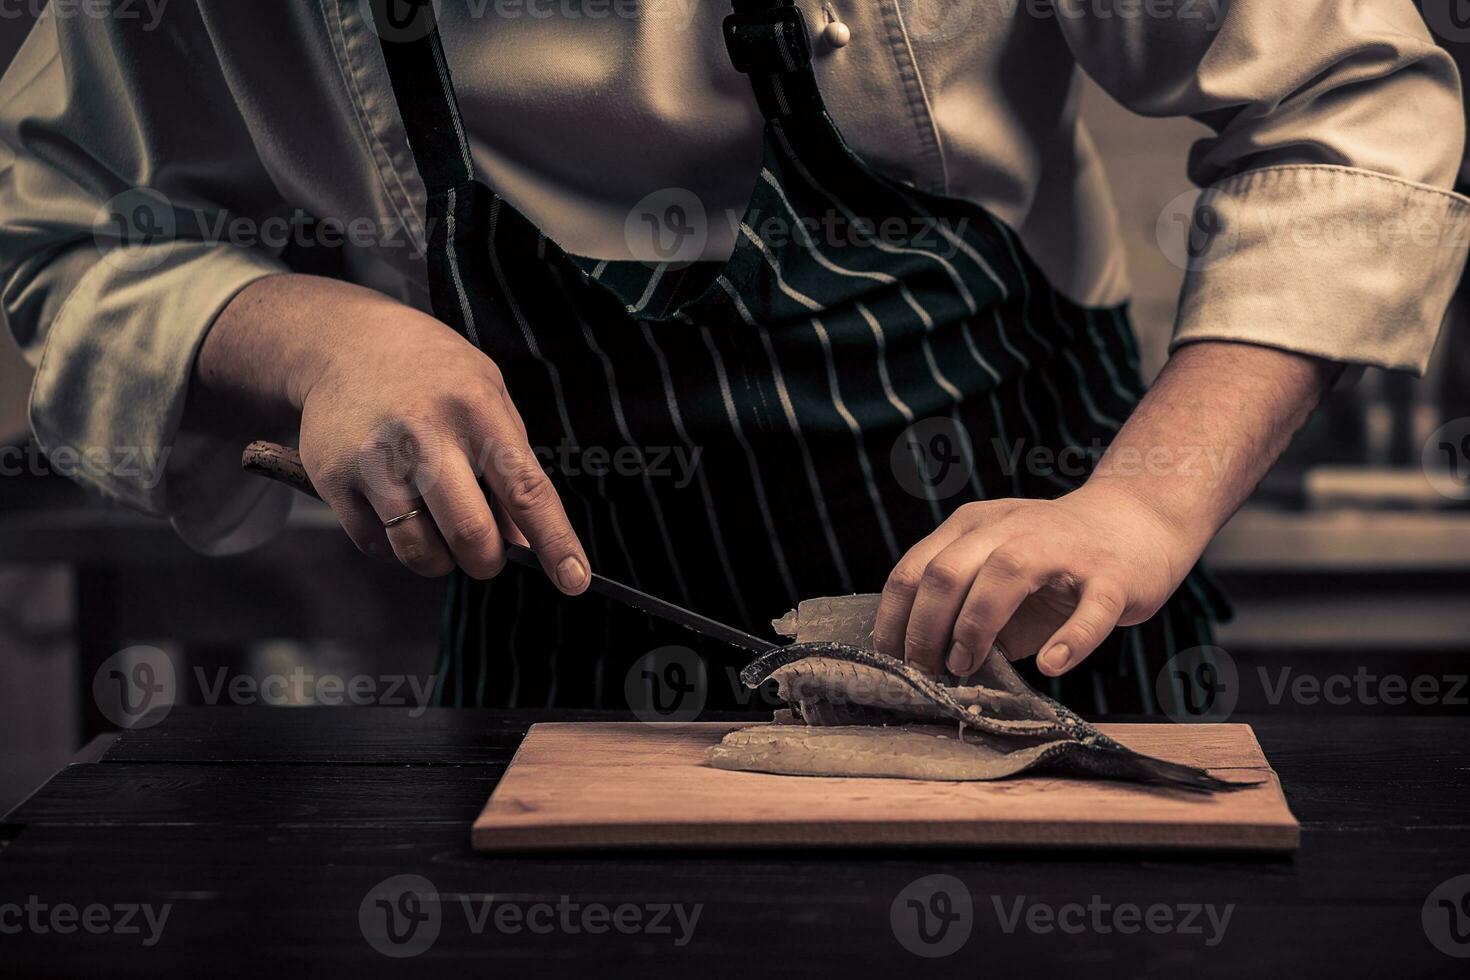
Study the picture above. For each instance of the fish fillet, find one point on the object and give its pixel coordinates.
(855, 712)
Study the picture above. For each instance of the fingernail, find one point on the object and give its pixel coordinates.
(959, 660)
(571, 574)
(1056, 657)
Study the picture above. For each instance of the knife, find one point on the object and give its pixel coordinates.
(283, 464)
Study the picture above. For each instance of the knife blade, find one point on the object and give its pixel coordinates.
(283, 464)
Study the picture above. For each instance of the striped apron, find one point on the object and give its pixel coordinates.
(736, 436)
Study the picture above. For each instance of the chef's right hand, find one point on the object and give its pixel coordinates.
(398, 412)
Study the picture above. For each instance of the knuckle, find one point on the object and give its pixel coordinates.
(528, 489)
(471, 534)
(1005, 563)
(983, 512)
(903, 581)
(973, 514)
(334, 478)
(426, 414)
(947, 575)
(493, 378)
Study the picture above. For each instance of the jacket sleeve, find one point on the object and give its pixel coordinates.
(1326, 225)
(123, 164)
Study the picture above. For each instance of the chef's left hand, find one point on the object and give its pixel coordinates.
(1047, 576)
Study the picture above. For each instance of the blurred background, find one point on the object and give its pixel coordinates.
(1348, 561)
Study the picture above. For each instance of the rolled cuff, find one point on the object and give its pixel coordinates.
(1343, 264)
(113, 375)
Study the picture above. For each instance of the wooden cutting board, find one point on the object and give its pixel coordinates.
(602, 785)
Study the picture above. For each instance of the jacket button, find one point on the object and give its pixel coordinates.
(837, 34)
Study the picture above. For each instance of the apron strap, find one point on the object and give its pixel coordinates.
(768, 40)
(459, 208)
(409, 35)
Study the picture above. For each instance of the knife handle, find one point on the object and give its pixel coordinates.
(283, 464)
(280, 463)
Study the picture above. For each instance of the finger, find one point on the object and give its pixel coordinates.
(1097, 613)
(416, 541)
(363, 527)
(1004, 582)
(508, 529)
(523, 489)
(942, 590)
(462, 513)
(902, 588)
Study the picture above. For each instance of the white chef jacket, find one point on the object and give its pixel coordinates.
(1337, 131)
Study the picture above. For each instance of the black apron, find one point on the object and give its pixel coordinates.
(870, 358)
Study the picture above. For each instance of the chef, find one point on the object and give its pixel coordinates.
(488, 263)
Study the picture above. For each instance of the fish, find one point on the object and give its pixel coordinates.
(853, 711)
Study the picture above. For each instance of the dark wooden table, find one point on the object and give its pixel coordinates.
(268, 831)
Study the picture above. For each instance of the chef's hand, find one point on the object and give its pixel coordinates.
(1055, 576)
(397, 412)
(1047, 576)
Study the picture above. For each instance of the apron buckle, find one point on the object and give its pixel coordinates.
(769, 41)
